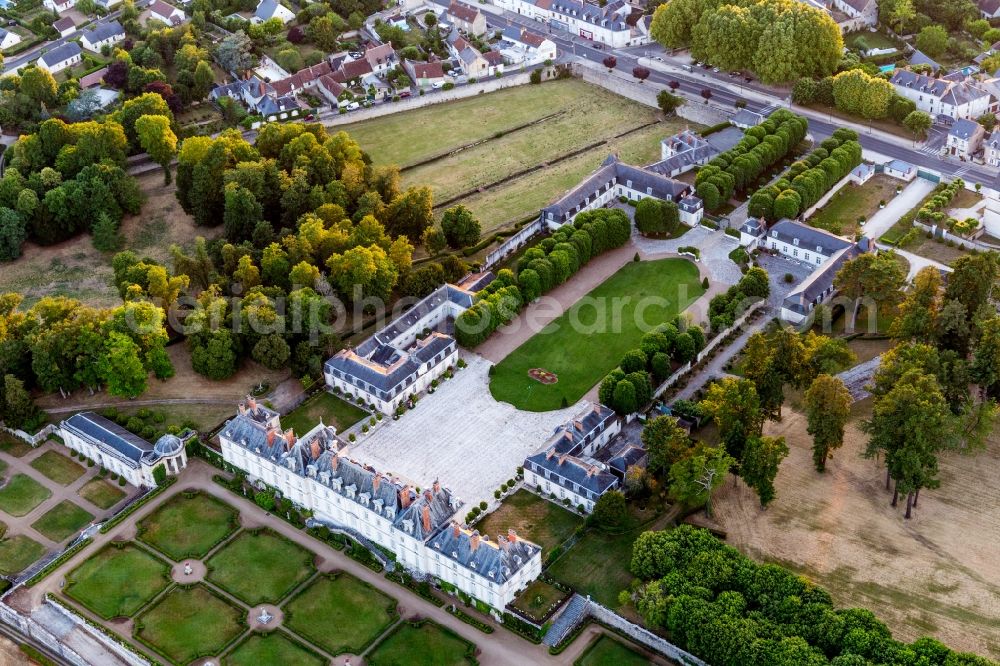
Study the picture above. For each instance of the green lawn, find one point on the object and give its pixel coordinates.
(21, 494)
(424, 643)
(538, 599)
(840, 214)
(340, 613)
(117, 582)
(12, 445)
(58, 467)
(189, 526)
(17, 553)
(189, 623)
(101, 493)
(261, 567)
(62, 521)
(533, 518)
(273, 648)
(333, 410)
(649, 293)
(606, 651)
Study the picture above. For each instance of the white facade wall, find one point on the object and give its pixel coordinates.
(808, 254)
(934, 106)
(330, 506)
(596, 33)
(97, 46)
(425, 376)
(137, 476)
(60, 66)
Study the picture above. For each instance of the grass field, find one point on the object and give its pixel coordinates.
(259, 568)
(533, 518)
(62, 521)
(333, 410)
(589, 339)
(101, 493)
(606, 651)
(58, 467)
(340, 613)
(536, 600)
(188, 527)
(21, 494)
(423, 643)
(187, 623)
(840, 214)
(117, 582)
(13, 446)
(17, 553)
(571, 115)
(272, 648)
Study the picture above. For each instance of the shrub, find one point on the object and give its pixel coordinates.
(789, 278)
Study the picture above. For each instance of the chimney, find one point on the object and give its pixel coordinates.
(474, 540)
(562, 458)
(426, 518)
(376, 481)
(511, 536)
(503, 542)
(242, 408)
(334, 461)
(289, 438)
(437, 486)
(316, 450)
(428, 496)
(404, 497)
(271, 434)
(252, 403)
(551, 452)
(456, 530)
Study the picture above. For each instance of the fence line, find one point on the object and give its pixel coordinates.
(641, 635)
(513, 244)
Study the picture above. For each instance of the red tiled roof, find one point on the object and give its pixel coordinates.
(93, 79)
(493, 57)
(376, 55)
(426, 70)
(332, 85)
(161, 8)
(531, 38)
(463, 12)
(356, 69)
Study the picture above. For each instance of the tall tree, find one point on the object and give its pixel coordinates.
(158, 140)
(917, 316)
(121, 367)
(16, 407)
(693, 479)
(827, 405)
(735, 407)
(761, 459)
(665, 443)
(460, 227)
(878, 279)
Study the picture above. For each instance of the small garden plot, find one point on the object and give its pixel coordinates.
(189, 623)
(12, 445)
(118, 580)
(17, 553)
(100, 493)
(333, 410)
(189, 525)
(422, 642)
(58, 467)
(539, 600)
(258, 567)
(272, 648)
(22, 494)
(533, 518)
(62, 521)
(340, 614)
(841, 213)
(589, 339)
(606, 651)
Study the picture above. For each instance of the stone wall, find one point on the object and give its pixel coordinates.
(25, 626)
(826, 197)
(643, 636)
(121, 651)
(35, 439)
(513, 244)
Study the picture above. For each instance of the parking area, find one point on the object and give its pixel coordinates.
(461, 436)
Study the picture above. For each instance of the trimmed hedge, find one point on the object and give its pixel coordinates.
(58, 562)
(135, 506)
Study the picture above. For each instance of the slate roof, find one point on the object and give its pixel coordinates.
(61, 53)
(690, 204)
(808, 237)
(628, 456)
(862, 170)
(103, 32)
(965, 129)
(989, 7)
(164, 10)
(110, 437)
(747, 117)
(266, 9)
(689, 150)
(496, 560)
(899, 165)
(463, 12)
(920, 58)
(63, 24)
(605, 17)
(813, 288)
(752, 226)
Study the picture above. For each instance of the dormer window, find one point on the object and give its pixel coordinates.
(774, 234)
(819, 249)
(795, 242)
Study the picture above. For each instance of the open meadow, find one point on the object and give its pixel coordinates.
(527, 127)
(936, 574)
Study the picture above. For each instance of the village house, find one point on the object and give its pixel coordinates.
(899, 169)
(520, 46)
(58, 5)
(691, 210)
(402, 359)
(965, 137)
(381, 58)
(991, 149)
(61, 57)
(612, 179)
(269, 9)
(417, 526)
(8, 39)
(615, 24)
(565, 470)
(121, 452)
(166, 13)
(467, 57)
(467, 18)
(990, 9)
(65, 26)
(940, 97)
(105, 34)
(424, 74)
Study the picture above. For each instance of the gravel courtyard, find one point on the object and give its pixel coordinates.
(460, 435)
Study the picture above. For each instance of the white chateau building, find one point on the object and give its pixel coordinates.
(117, 450)
(417, 525)
(404, 358)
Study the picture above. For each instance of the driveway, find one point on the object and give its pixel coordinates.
(901, 204)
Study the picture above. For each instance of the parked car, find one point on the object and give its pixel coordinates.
(437, 84)
(310, 117)
(715, 69)
(748, 79)
(355, 54)
(353, 106)
(658, 58)
(599, 47)
(404, 93)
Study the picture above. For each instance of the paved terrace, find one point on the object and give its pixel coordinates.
(460, 435)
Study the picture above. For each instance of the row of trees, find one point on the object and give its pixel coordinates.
(740, 167)
(725, 608)
(656, 217)
(725, 308)
(540, 269)
(780, 40)
(807, 180)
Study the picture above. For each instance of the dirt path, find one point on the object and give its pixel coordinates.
(937, 574)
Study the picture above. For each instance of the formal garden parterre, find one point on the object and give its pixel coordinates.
(189, 525)
(422, 642)
(190, 622)
(118, 580)
(275, 647)
(259, 566)
(62, 521)
(57, 467)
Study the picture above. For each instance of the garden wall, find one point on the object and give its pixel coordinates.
(35, 439)
(826, 197)
(119, 650)
(642, 636)
(513, 244)
(25, 626)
